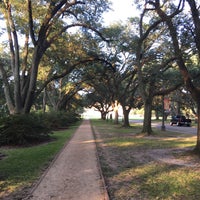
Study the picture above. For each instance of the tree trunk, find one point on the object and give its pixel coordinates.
(44, 101)
(147, 117)
(197, 147)
(30, 97)
(103, 115)
(157, 114)
(126, 117)
(7, 92)
(116, 120)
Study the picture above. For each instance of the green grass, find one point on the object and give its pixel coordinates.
(131, 172)
(157, 181)
(22, 166)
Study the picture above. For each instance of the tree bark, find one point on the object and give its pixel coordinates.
(103, 115)
(147, 117)
(126, 117)
(44, 101)
(197, 147)
(7, 92)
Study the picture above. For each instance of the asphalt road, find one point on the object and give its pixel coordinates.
(174, 128)
(180, 129)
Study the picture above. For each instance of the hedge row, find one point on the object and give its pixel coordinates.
(31, 128)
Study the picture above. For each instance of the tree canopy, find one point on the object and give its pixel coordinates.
(63, 46)
(41, 26)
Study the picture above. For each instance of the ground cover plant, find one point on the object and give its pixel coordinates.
(135, 166)
(20, 167)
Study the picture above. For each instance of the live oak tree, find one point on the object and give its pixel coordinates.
(123, 78)
(39, 25)
(171, 14)
(152, 60)
(99, 102)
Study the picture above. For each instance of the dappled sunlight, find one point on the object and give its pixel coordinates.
(121, 143)
(160, 166)
(178, 138)
(156, 181)
(124, 144)
(8, 186)
(87, 142)
(88, 171)
(151, 142)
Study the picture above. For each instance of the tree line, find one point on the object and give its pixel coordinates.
(55, 49)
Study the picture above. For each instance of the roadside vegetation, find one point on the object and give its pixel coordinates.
(23, 161)
(135, 166)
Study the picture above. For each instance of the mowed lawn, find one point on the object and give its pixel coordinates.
(137, 167)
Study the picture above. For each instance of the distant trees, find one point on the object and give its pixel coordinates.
(117, 81)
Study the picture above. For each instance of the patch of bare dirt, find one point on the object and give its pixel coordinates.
(174, 156)
(179, 156)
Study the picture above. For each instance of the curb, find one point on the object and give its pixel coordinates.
(105, 191)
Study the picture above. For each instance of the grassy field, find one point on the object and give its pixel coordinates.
(137, 167)
(20, 167)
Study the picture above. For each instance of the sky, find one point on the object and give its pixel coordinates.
(122, 9)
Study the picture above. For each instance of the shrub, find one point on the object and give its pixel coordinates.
(61, 119)
(31, 128)
(23, 129)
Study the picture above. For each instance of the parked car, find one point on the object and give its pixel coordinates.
(180, 120)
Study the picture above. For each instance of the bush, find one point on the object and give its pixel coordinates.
(31, 128)
(23, 129)
(61, 119)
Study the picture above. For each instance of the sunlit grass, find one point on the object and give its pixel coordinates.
(132, 174)
(153, 181)
(22, 166)
(151, 142)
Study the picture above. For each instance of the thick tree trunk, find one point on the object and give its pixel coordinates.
(157, 114)
(147, 117)
(103, 115)
(126, 117)
(30, 97)
(116, 121)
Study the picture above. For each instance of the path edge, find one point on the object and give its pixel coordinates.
(106, 196)
(43, 174)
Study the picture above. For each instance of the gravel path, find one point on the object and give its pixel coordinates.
(75, 174)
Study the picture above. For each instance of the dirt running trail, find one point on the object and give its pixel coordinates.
(75, 173)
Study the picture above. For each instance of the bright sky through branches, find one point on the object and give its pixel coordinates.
(122, 9)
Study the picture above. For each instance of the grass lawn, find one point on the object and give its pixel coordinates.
(20, 167)
(137, 167)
